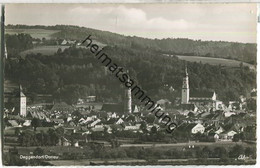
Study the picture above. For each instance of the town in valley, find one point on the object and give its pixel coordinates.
(60, 102)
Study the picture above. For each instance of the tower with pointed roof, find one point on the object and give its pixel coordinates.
(185, 94)
(22, 103)
(128, 99)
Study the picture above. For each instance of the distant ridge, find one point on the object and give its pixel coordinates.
(245, 52)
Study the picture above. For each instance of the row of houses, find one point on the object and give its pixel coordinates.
(218, 133)
(95, 117)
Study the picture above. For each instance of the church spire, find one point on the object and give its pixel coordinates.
(128, 98)
(21, 91)
(186, 71)
(185, 88)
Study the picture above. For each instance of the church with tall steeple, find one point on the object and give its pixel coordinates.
(185, 96)
(22, 103)
(16, 102)
(198, 98)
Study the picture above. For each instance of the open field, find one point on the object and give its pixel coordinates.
(160, 146)
(174, 146)
(35, 33)
(60, 150)
(138, 162)
(45, 50)
(214, 61)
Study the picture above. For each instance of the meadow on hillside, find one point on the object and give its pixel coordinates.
(214, 61)
(35, 33)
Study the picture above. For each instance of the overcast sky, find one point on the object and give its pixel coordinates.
(226, 22)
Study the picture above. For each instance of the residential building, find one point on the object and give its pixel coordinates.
(227, 135)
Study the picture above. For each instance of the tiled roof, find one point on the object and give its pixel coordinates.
(98, 129)
(57, 120)
(118, 108)
(206, 94)
(13, 123)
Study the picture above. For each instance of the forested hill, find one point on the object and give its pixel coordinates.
(245, 52)
(74, 72)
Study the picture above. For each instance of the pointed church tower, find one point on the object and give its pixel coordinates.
(22, 105)
(185, 94)
(128, 100)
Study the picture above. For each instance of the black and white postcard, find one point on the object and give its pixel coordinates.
(128, 84)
